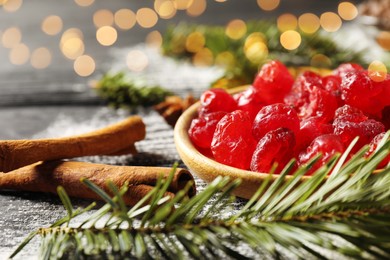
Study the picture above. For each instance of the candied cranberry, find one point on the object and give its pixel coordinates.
(328, 145)
(231, 144)
(275, 147)
(344, 68)
(373, 146)
(310, 99)
(384, 96)
(202, 129)
(272, 117)
(332, 84)
(273, 82)
(350, 122)
(310, 128)
(358, 91)
(386, 117)
(249, 101)
(217, 99)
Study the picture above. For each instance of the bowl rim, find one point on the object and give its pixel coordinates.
(186, 148)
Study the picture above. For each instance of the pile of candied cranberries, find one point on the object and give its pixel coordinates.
(278, 118)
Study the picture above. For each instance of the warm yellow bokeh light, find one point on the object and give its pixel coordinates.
(196, 8)
(11, 37)
(377, 71)
(146, 17)
(72, 48)
(84, 3)
(290, 40)
(287, 22)
(125, 19)
(256, 52)
(195, 42)
(84, 65)
(220, 1)
(225, 59)
(71, 33)
(330, 21)
(106, 35)
(254, 38)
(347, 11)
(154, 39)
(12, 5)
(137, 60)
(165, 8)
(183, 4)
(235, 29)
(52, 25)
(320, 61)
(383, 40)
(203, 57)
(268, 5)
(2, 2)
(19, 54)
(309, 23)
(103, 17)
(40, 58)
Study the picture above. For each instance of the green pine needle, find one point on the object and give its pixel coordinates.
(342, 214)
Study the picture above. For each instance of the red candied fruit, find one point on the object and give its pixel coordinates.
(202, 129)
(384, 85)
(328, 145)
(274, 116)
(344, 68)
(310, 99)
(373, 146)
(275, 147)
(249, 101)
(357, 90)
(332, 84)
(386, 117)
(350, 122)
(273, 82)
(216, 99)
(310, 128)
(231, 145)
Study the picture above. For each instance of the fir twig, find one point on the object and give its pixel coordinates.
(344, 214)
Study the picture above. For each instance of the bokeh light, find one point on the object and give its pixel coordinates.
(137, 60)
(103, 17)
(11, 37)
(287, 22)
(124, 19)
(84, 65)
(320, 61)
(19, 54)
(196, 8)
(52, 25)
(383, 40)
(195, 42)
(71, 44)
(377, 71)
(106, 35)
(165, 8)
(225, 59)
(290, 40)
(183, 4)
(268, 5)
(146, 17)
(154, 39)
(12, 5)
(255, 47)
(204, 57)
(84, 3)
(40, 58)
(235, 29)
(309, 23)
(330, 21)
(347, 11)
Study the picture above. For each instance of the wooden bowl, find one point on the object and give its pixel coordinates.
(208, 169)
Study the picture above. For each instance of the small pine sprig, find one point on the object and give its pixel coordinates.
(121, 91)
(342, 210)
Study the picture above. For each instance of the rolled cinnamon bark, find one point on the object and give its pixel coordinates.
(116, 139)
(46, 176)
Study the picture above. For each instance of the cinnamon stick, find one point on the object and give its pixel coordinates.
(46, 176)
(115, 139)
